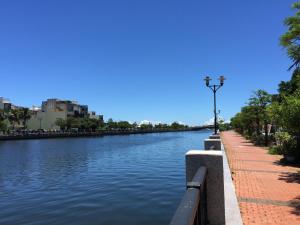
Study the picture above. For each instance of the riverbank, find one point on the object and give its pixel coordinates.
(46, 135)
(267, 189)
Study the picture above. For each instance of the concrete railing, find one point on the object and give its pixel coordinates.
(213, 161)
(213, 142)
(222, 204)
(192, 209)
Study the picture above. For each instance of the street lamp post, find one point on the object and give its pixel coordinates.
(215, 88)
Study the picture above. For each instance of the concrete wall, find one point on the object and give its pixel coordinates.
(212, 144)
(45, 120)
(213, 161)
(214, 136)
(222, 203)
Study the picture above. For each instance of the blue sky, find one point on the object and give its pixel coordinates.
(142, 59)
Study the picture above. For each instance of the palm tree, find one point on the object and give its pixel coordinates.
(14, 117)
(24, 114)
(3, 117)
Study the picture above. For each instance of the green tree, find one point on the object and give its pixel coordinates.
(94, 124)
(73, 122)
(274, 111)
(291, 39)
(176, 126)
(147, 126)
(224, 125)
(236, 123)
(24, 115)
(101, 123)
(111, 124)
(3, 115)
(248, 120)
(161, 126)
(259, 101)
(124, 125)
(84, 124)
(14, 117)
(61, 123)
(3, 126)
(3, 118)
(289, 87)
(291, 117)
(135, 125)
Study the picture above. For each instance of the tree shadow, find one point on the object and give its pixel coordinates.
(290, 177)
(247, 143)
(283, 162)
(295, 204)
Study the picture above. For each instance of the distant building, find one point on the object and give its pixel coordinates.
(71, 108)
(93, 115)
(5, 104)
(45, 117)
(45, 120)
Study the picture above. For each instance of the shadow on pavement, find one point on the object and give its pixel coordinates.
(290, 177)
(295, 204)
(283, 162)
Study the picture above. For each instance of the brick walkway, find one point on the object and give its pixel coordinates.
(268, 191)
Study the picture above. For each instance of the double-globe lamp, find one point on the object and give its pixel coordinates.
(215, 88)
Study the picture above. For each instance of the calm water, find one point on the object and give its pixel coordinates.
(136, 179)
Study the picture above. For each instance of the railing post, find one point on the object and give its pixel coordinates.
(212, 144)
(213, 161)
(214, 136)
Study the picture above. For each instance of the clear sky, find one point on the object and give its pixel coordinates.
(142, 59)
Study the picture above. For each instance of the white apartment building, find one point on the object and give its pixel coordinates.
(93, 115)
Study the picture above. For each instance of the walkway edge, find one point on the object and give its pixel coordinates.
(232, 209)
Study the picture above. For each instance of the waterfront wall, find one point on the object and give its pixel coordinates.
(213, 161)
(222, 204)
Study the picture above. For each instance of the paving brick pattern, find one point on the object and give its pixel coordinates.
(268, 191)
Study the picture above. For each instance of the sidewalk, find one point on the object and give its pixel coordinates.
(268, 191)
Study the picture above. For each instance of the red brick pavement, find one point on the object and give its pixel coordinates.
(268, 191)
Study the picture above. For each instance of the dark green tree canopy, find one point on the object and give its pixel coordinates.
(291, 39)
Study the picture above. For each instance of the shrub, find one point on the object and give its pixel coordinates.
(286, 144)
(258, 139)
(281, 138)
(224, 126)
(275, 150)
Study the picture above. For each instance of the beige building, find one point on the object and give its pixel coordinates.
(45, 120)
(53, 109)
(45, 117)
(72, 108)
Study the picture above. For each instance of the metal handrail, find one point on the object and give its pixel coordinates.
(192, 209)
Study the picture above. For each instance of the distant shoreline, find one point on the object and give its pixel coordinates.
(86, 134)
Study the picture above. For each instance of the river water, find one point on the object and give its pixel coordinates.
(129, 180)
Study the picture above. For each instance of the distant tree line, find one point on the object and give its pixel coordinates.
(275, 119)
(94, 125)
(16, 119)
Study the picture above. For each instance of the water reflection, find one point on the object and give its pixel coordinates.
(108, 180)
